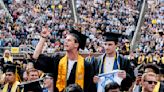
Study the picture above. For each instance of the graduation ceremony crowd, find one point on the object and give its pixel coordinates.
(103, 34)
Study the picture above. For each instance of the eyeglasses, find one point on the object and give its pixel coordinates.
(151, 82)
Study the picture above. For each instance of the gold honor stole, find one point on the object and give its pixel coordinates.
(13, 89)
(156, 89)
(62, 73)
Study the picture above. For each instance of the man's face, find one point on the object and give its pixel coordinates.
(10, 77)
(69, 43)
(48, 81)
(33, 75)
(149, 83)
(110, 47)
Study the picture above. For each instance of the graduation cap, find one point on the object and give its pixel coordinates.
(108, 36)
(152, 66)
(12, 68)
(33, 85)
(80, 38)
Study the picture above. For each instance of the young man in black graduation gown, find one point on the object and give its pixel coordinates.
(11, 78)
(111, 60)
(69, 68)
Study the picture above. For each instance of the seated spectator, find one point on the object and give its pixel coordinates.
(112, 87)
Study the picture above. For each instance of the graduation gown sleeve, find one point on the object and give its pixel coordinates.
(127, 82)
(89, 86)
(48, 64)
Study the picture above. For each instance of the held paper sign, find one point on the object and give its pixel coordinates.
(106, 78)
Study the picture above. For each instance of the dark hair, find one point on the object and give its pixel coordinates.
(77, 39)
(112, 85)
(73, 88)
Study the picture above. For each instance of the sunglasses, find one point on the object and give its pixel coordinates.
(151, 82)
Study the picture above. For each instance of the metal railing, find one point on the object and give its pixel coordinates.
(137, 35)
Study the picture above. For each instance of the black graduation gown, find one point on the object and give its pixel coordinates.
(49, 64)
(124, 65)
(161, 89)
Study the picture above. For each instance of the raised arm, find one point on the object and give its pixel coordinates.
(38, 50)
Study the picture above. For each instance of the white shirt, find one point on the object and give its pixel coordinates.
(70, 66)
(108, 64)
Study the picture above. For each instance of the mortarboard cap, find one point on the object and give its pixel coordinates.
(80, 38)
(49, 75)
(108, 36)
(152, 66)
(13, 68)
(33, 86)
(10, 68)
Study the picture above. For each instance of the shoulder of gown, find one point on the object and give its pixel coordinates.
(48, 63)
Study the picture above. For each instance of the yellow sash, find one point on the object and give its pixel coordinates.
(13, 89)
(141, 59)
(156, 89)
(149, 59)
(127, 46)
(62, 73)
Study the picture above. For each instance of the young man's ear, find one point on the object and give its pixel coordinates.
(77, 45)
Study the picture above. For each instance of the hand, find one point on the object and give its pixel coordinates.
(96, 79)
(122, 74)
(45, 32)
(138, 80)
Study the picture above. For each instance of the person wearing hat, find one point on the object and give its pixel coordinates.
(69, 68)
(111, 60)
(10, 79)
(48, 83)
(149, 68)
